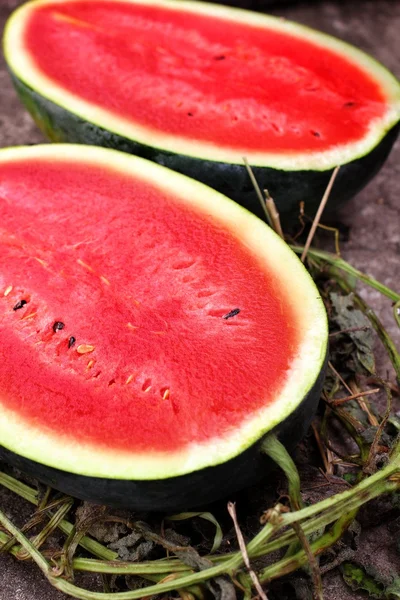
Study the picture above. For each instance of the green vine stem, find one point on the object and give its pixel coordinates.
(339, 263)
(50, 527)
(318, 516)
(288, 565)
(29, 494)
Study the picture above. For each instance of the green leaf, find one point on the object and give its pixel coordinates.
(358, 579)
(347, 317)
(273, 448)
(393, 591)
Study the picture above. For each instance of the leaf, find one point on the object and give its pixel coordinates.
(128, 547)
(187, 554)
(394, 423)
(358, 579)
(347, 317)
(208, 517)
(222, 589)
(353, 408)
(393, 591)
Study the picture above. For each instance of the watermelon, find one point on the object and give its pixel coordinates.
(152, 331)
(197, 87)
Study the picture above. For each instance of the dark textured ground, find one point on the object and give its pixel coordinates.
(373, 245)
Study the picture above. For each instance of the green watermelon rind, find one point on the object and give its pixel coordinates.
(289, 189)
(290, 180)
(24, 68)
(191, 490)
(300, 392)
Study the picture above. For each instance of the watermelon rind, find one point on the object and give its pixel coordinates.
(125, 478)
(288, 188)
(192, 490)
(291, 178)
(24, 68)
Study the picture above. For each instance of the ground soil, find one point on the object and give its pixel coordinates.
(372, 227)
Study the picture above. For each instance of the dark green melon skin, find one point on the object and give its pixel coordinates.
(288, 188)
(193, 490)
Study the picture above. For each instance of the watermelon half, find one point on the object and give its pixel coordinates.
(151, 330)
(197, 87)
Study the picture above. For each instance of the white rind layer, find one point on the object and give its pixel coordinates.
(63, 452)
(25, 68)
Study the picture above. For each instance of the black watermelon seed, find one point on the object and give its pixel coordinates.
(232, 313)
(58, 325)
(20, 304)
(71, 341)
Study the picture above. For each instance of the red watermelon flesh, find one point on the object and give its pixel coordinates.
(113, 296)
(172, 68)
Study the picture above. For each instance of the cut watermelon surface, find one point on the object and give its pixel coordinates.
(149, 327)
(174, 67)
(205, 80)
(199, 87)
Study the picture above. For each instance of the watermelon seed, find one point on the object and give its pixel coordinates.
(85, 349)
(20, 304)
(90, 365)
(130, 378)
(71, 341)
(58, 325)
(165, 392)
(315, 134)
(348, 104)
(190, 114)
(8, 290)
(146, 387)
(221, 57)
(111, 382)
(232, 313)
